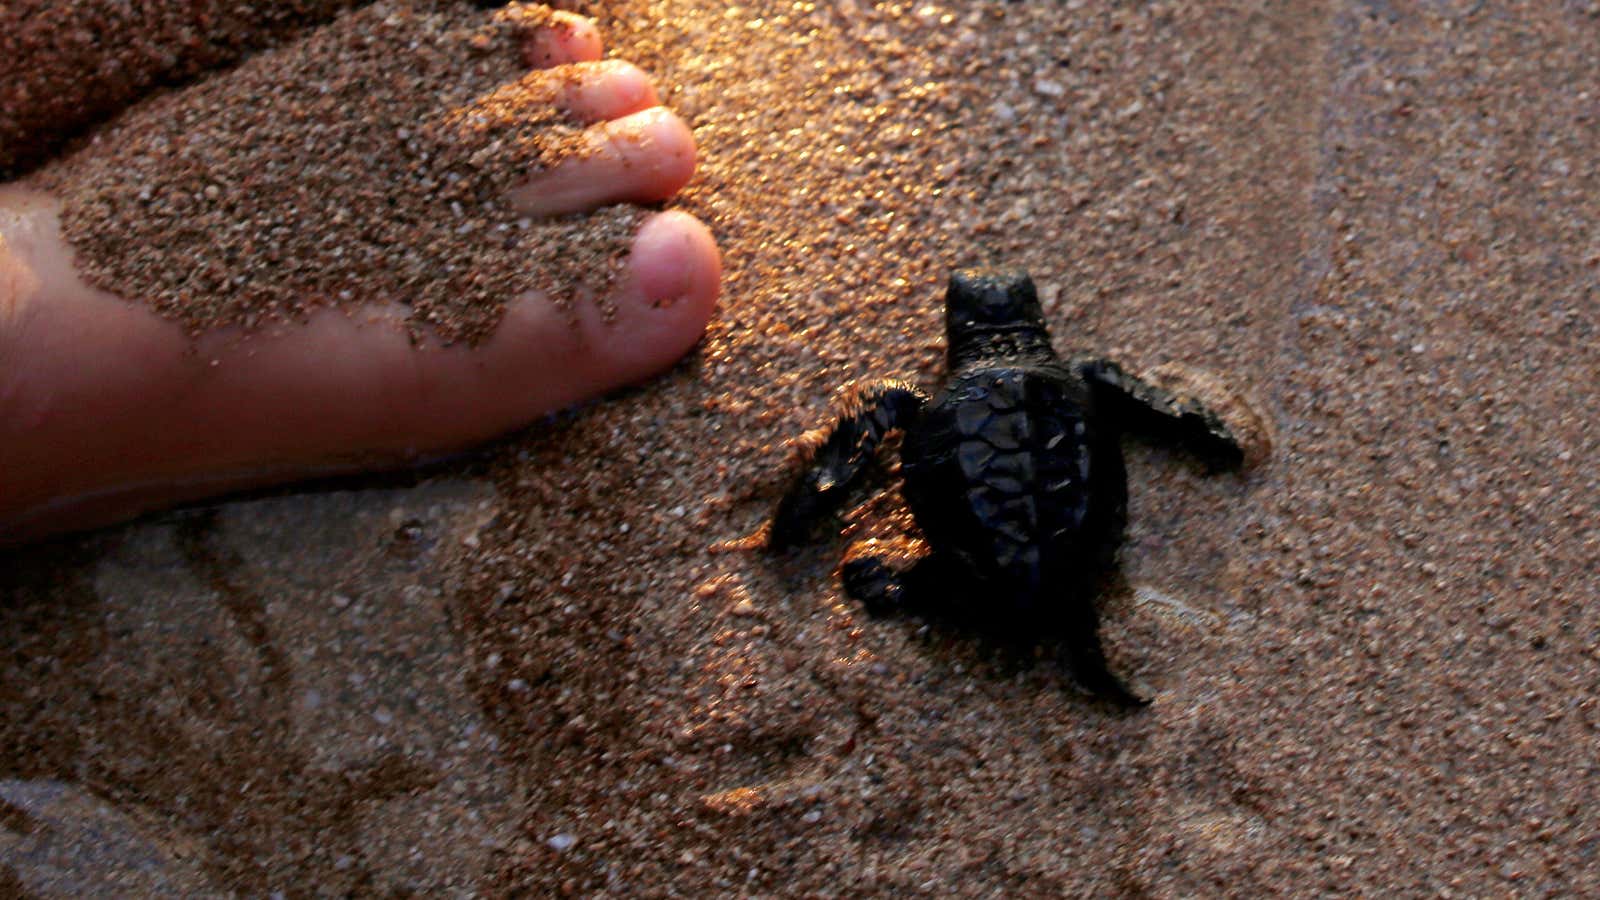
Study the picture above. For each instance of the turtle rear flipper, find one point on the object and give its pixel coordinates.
(868, 412)
(877, 585)
(930, 586)
(1088, 663)
(1078, 624)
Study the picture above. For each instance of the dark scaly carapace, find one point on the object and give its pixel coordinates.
(1013, 471)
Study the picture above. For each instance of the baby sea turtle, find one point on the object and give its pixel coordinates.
(1013, 471)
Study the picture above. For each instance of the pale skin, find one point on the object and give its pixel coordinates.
(107, 410)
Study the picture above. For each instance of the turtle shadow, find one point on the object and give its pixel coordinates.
(999, 647)
(970, 638)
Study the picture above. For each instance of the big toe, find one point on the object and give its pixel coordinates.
(658, 310)
(390, 398)
(113, 411)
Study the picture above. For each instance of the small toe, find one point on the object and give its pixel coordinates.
(605, 90)
(640, 158)
(553, 37)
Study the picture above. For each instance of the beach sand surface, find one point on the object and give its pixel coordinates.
(555, 666)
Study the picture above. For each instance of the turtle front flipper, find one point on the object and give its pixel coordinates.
(868, 412)
(1142, 408)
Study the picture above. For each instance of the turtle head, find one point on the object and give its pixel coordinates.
(991, 314)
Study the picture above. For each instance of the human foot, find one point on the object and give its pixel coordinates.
(107, 409)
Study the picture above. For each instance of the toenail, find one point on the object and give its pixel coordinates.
(667, 291)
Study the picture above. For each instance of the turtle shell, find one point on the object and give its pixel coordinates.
(1002, 472)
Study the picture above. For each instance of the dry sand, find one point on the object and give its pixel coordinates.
(366, 163)
(1374, 656)
(68, 64)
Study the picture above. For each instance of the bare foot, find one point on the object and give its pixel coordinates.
(108, 410)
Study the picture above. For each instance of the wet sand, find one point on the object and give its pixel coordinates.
(1373, 656)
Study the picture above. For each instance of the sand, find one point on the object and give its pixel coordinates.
(69, 64)
(552, 669)
(366, 163)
